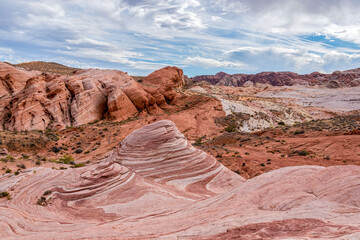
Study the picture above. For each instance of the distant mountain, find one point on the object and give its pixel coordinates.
(50, 67)
(349, 78)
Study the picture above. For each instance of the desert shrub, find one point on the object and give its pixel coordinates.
(77, 165)
(78, 151)
(302, 152)
(299, 132)
(4, 194)
(281, 123)
(10, 158)
(198, 142)
(22, 166)
(8, 170)
(55, 149)
(47, 192)
(38, 162)
(231, 128)
(67, 159)
(41, 201)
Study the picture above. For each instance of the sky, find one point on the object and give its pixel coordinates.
(199, 36)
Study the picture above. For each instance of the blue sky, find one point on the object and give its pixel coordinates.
(202, 37)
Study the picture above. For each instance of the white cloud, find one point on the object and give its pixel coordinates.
(350, 33)
(302, 60)
(88, 41)
(115, 56)
(212, 63)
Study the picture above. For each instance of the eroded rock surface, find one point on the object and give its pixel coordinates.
(34, 101)
(156, 185)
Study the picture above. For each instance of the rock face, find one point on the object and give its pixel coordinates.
(157, 186)
(13, 80)
(334, 80)
(31, 100)
(161, 84)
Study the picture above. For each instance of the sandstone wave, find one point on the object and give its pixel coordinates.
(156, 185)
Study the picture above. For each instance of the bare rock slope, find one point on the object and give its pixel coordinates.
(158, 186)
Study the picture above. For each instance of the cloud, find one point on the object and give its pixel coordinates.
(349, 33)
(212, 63)
(4, 51)
(234, 35)
(303, 60)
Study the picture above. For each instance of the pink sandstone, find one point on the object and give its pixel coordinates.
(158, 186)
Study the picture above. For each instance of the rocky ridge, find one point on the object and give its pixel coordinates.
(48, 67)
(348, 78)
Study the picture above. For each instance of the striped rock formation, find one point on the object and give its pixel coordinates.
(157, 186)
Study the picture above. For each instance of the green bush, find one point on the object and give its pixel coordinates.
(67, 159)
(231, 128)
(77, 165)
(198, 142)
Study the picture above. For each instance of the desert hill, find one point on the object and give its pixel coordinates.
(49, 67)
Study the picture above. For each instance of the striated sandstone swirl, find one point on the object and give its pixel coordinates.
(157, 186)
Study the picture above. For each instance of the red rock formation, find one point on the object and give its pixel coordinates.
(99, 92)
(161, 84)
(43, 102)
(338, 78)
(157, 186)
(13, 80)
(57, 101)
